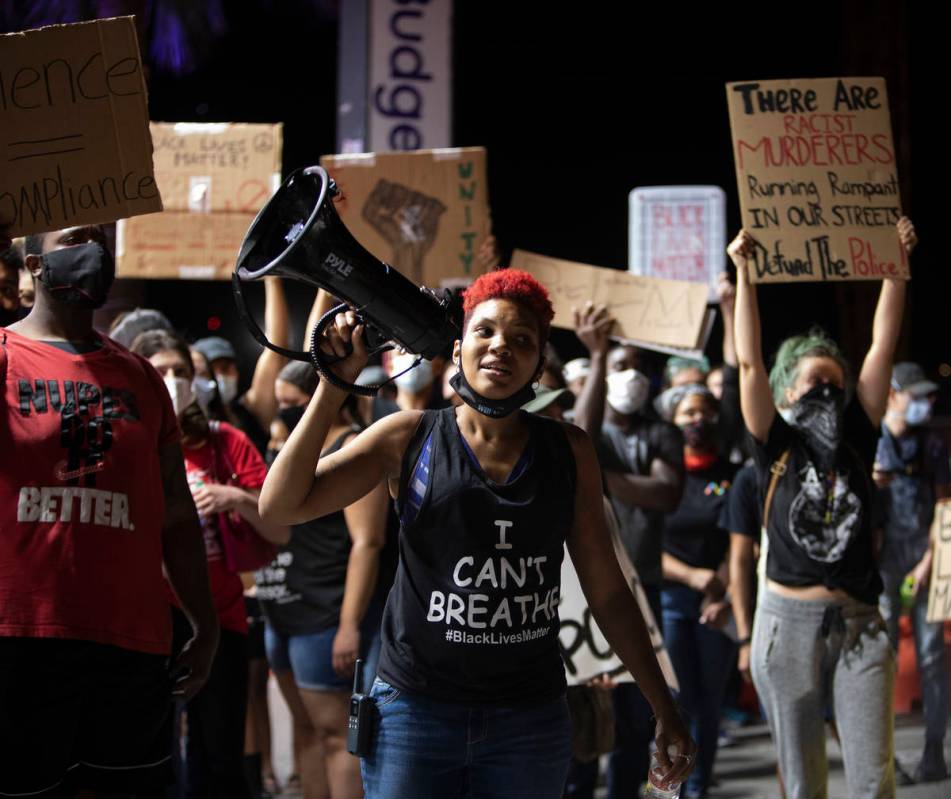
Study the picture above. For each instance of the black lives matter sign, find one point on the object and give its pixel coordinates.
(818, 185)
(74, 132)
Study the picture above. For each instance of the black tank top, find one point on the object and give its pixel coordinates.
(301, 590)
(472, 617)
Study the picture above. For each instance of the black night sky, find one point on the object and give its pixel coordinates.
(578, 104)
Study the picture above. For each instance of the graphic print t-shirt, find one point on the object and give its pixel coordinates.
(820, 523)
(237, 456)
(81, 500)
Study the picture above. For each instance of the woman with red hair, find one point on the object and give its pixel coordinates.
(470, 692)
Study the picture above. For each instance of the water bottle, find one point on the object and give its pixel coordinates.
(907, 593)
(655, 779)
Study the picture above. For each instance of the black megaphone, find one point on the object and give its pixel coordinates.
(298, 235)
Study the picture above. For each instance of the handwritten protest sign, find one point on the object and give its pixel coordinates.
(678, 233)
(74, 127)
(424, 212)
(818, 185)
(214, 179)
(668, 312)
(584, 649)
(939, 596)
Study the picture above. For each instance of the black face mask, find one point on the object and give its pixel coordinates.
(817, 415)
(496, 409)
(700, 435)
(292, 416)
(79, 276)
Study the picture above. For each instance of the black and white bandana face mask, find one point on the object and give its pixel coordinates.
(818, 415)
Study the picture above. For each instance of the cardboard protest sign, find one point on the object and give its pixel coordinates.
(939, 591)
(74, 122)
(678, 233)
(584, 650)
(424, 212)
(667, 312)
(815, 166)
(214, 179)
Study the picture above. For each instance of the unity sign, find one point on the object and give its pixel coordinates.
(74, 121)
(818, 185)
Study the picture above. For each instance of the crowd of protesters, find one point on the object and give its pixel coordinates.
(777, 518)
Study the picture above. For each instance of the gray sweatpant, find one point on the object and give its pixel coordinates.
(809, 656)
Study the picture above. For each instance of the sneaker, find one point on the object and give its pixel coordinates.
(932, 767)
(902, 777)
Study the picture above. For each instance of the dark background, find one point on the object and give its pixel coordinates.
(576, 107)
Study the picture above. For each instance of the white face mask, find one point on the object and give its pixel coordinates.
(180, 390)
(627, 391)
(227, 387)
(205, 391)
(414, 380)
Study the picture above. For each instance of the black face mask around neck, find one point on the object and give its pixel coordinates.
(79, 276)
(495, 409)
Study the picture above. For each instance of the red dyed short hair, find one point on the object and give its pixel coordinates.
(516, 286)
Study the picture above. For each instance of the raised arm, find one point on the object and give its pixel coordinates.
(300, 484)
(186, 567)
(876, 373)
(756, 399)
(726, 293)
(366, 522)
(593, 328)
(323, 302)
(259, 398)
(615, 609)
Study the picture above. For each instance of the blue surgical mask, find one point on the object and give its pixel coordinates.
(918, 411)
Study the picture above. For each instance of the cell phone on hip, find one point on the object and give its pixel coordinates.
(360, 721)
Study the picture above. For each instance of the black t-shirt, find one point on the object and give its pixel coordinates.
(693, 533)
(301, 590)
(633, 452)
(743, 511)
(472, 617)
(820, 525)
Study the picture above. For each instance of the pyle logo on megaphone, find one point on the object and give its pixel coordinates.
(338, 264)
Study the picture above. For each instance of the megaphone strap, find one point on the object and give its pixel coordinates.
(322, 360)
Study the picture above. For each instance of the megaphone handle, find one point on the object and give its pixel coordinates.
(294, 355)
(323, 361)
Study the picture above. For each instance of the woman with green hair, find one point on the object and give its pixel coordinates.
(819, 639)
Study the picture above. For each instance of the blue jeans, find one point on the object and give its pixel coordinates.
(428, 749)
(702, 659)
(929, 651)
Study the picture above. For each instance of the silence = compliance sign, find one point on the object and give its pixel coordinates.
(817, 179)
(74, 127)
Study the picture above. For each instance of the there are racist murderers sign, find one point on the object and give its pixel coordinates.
(74, 127)
(818, 185)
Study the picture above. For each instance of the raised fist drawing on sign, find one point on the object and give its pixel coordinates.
(408, 220)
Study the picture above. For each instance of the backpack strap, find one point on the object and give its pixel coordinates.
(776, 470)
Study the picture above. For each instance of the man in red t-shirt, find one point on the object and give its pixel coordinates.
(94, 502)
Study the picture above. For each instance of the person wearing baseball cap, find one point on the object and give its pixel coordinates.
(911, 472)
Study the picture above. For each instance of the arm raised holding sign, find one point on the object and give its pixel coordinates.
(814, 465)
